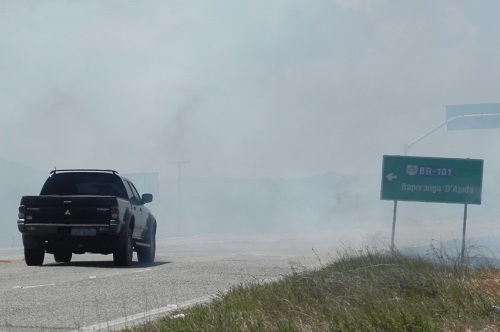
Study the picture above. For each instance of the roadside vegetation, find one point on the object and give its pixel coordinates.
(361, 290)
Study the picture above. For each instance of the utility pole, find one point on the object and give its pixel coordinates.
(179, 194)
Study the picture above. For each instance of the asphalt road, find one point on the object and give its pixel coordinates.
(91, 294)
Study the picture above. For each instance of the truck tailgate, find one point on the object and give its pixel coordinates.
(68, 210)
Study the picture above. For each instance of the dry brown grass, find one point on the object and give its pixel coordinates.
(488, 284)
(485, 282)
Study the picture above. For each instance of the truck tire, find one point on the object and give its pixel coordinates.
(34, 257)
(123, 256)
(63, 256)
(147, 254)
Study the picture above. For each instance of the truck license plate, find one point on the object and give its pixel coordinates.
(83, 231)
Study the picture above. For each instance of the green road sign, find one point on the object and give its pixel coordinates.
(427, 179)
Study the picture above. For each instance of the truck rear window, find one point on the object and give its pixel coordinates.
(84, 183)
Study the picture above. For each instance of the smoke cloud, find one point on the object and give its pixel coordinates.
(246, 90)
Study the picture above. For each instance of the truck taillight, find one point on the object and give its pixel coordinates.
(22, 211)
(114, 212)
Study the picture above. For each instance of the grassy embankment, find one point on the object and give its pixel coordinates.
(362, 290)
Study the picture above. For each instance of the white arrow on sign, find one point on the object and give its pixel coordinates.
(391, 177)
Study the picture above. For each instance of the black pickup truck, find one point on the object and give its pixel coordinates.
(79, 211)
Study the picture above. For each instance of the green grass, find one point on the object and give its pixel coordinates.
(362, 290)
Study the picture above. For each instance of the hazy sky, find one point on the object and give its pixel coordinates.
(243, 88)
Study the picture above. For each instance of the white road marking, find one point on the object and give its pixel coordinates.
(122, 273)
(90, 277)
(142, 317)
(34, 286)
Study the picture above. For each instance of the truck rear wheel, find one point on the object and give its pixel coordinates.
(123, 256)
(147, 254)
(34, 257)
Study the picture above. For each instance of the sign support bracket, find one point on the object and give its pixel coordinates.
(407, 146)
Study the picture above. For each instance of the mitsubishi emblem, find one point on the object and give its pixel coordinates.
(67, 213)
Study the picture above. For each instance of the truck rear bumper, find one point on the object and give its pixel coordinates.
(81, 238)
(39, 229)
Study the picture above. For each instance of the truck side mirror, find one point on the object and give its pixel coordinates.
(147, 198)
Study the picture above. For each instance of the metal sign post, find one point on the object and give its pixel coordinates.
(462, 253)
(394, 224)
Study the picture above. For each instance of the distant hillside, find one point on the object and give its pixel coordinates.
(253, 206)
(326, 201)
(479, 252)
(16, 180)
